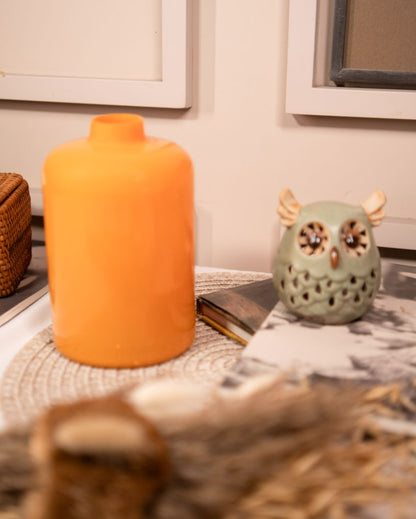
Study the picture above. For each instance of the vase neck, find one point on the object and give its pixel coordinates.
(117, 128)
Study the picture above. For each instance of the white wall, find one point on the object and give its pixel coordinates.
(244, 147)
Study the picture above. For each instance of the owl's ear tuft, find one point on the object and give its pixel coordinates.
(289, 208)
(373, 207)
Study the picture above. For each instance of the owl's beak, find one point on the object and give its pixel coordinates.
(334, 255)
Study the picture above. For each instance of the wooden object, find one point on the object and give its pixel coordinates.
(15, 231)
(305, 96)
(172, 90)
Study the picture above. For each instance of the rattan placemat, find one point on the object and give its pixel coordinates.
(39, 376)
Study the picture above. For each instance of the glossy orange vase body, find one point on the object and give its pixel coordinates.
(119, 229)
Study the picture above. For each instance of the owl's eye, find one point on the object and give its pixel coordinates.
(354, 238)
(313, 239)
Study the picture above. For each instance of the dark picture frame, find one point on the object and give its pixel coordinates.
(343, 75)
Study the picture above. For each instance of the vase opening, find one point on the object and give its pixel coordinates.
(117, 127)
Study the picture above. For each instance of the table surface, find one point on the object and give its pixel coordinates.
(17, 332)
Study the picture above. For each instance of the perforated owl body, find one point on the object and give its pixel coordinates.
(327, 268)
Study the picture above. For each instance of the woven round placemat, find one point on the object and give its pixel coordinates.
(39, 376)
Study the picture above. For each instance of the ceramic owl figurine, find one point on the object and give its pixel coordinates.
(327, 268)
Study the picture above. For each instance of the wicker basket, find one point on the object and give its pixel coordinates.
(15, 231)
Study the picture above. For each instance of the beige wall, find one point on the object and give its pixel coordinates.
(244, 147)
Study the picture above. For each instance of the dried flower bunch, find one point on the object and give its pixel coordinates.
(268, 449)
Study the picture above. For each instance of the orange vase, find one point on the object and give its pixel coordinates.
(118, 210)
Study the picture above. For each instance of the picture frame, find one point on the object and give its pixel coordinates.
(305, 96)
(342, 74)
(174, 90)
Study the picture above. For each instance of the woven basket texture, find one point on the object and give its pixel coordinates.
(15, 231)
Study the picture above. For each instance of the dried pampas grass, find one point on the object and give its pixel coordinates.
(293, 452)
(310, 450)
